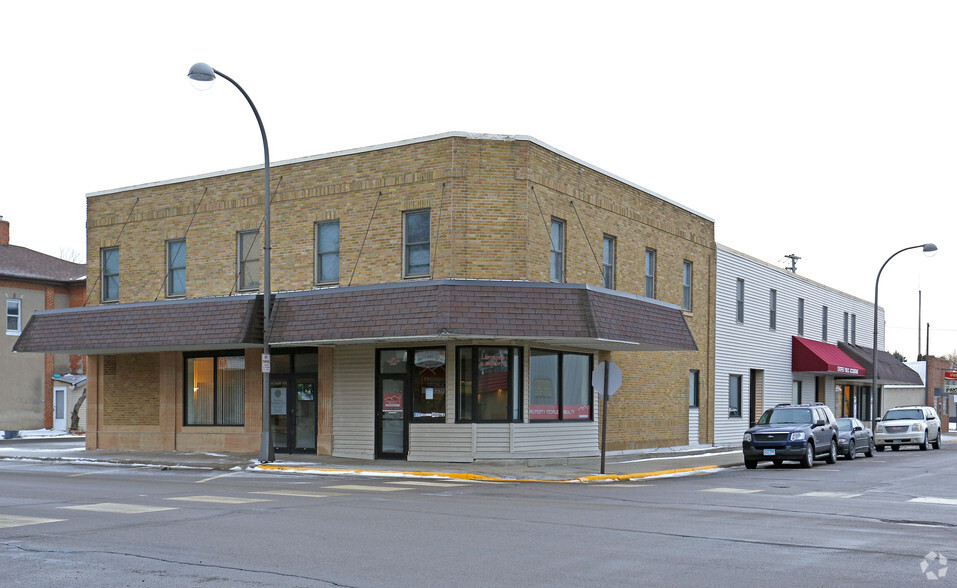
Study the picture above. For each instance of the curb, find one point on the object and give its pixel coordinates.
(477, 477)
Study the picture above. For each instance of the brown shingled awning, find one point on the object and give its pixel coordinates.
(551, 314)
(890, 371)
(192, 324)
(423, 311)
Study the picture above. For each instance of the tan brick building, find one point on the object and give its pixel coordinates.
(438, 298)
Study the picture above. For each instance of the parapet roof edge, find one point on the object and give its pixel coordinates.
(792, 275)
(404, 142)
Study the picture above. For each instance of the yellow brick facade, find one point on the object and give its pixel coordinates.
(491, 201)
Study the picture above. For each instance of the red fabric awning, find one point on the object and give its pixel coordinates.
(817, 356)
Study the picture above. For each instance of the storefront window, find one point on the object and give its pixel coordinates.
(215, 390)
(428, 385)
(489, 384)
(561, 387)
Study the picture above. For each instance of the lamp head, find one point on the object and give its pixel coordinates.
(930, 249)
(201, 76)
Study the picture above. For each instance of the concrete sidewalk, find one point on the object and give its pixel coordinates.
(618, 466)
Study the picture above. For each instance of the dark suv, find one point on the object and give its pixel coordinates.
(802, 432)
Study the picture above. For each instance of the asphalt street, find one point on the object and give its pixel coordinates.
(873, 521)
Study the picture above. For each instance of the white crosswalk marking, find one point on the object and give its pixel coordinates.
(118, 508)
(731, 490)
(300, 493)
(423, 483)
(7, 521)
(219, 499)
(933, 500)
(831, 494)
(365, 488)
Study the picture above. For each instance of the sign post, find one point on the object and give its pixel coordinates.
(606, 378)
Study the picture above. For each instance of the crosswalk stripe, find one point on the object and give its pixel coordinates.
(422, 483)
(219, 499)
(7, 521)
(830, 494)
(934, 500)
(300, 493)
(366, 488)
(731, 490)
(118, 508)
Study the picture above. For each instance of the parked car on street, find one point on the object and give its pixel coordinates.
(802, 432)
(908, 425)
(853, 437)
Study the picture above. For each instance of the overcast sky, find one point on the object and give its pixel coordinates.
(823, 129)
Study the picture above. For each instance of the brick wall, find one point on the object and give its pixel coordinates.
(491, 203)
(131, 382)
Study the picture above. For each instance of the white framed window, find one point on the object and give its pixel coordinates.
(801, 317)
(773, 310)
(734, 396)
(110, 273)
(557, 273)
(824, 324)
(176, 267)
(650, 257)
(417, 225)
(739, 301)
(686, 283)
(853, 329)
(247, 259)
(608, 262)
(847, 327)
(327, 252)
(14, 317)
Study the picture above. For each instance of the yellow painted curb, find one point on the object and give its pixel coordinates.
(462, 476)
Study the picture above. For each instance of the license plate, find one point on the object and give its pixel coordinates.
(768, 452)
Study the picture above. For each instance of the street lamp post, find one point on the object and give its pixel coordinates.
(928, 248)
(204, 74)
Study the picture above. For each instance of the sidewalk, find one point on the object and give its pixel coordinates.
(618, 466)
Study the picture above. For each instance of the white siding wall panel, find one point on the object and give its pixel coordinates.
(752, 345)
(353, 402)
(441, 442)
(548, 439)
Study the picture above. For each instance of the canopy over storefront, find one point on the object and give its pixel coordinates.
(822, 358)
(433, 310)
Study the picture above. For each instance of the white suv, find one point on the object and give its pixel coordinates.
(908, 425)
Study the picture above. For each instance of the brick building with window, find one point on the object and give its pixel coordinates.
(31, 394)
(442, 298)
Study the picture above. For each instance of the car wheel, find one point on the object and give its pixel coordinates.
(832, 453)
(880, 447)
(808, 459)
(924, 444)
(937, 440)
(750, 464)
(895, 447)
(869, 452)
(851, 451)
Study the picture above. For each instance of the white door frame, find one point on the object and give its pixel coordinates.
(60, 412)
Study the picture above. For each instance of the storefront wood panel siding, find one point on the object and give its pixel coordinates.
(441, 442)
(566, 438)
(353, 402)
(753, 345)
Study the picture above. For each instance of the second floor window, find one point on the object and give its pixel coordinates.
(557, 273)
(801, 317)
(176, 267)
(608, 262)
(650, 256)
(417, 232)
(847, 325)
(248, 260)
(824, 323)
(739, 301)
(773, 310)
(13, 316)
(327, 252)
(853, 329)
(110, 263)
(686, 286)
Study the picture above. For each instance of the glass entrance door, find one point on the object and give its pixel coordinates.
(392, 430)
(293, 413)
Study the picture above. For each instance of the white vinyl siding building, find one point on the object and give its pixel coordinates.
(762, 356)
